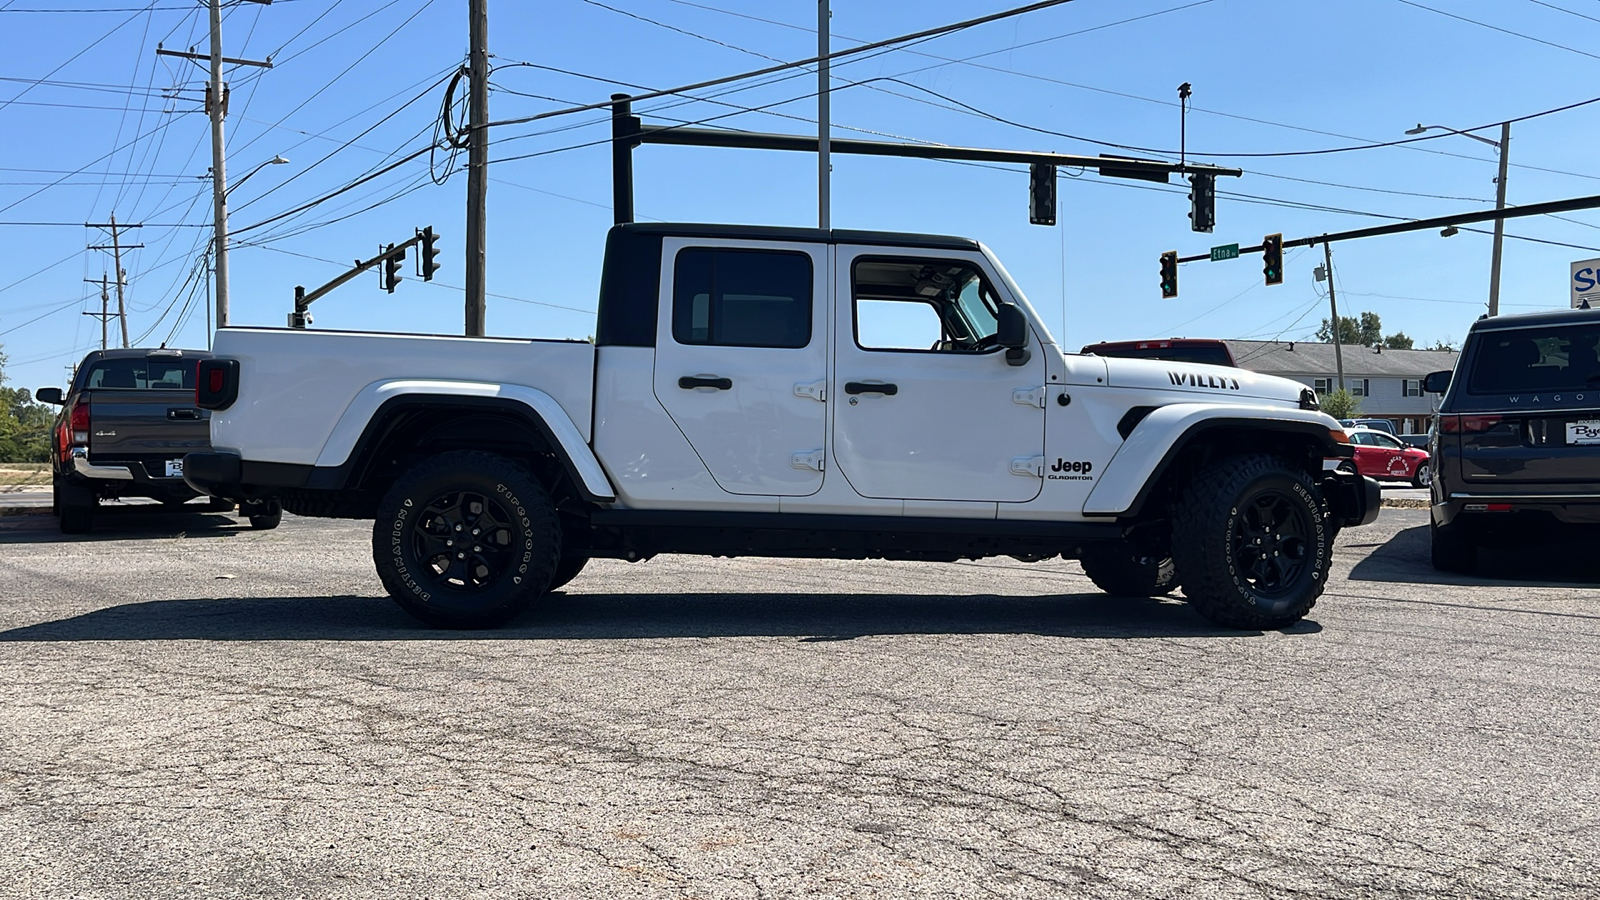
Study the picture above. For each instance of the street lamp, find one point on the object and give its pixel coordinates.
(275, 161)
(1503, 147)
(219, 240)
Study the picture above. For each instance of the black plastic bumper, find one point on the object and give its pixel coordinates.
(1354, 499)
(213, 472)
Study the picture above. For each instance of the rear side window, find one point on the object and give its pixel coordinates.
(141, 375)
(1536, 359)
(741, 298)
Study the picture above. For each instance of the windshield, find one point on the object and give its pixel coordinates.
(141, 374)
(1537, 359)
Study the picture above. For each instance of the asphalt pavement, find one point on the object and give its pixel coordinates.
(192, 708)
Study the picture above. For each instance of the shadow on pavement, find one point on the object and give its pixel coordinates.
(121, 523)
(1405, 559)
(812, 618)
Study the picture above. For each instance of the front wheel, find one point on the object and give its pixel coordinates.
(466, 540)
(264, 515)
(1253, 541)
(1125, 572)
(1423, 477)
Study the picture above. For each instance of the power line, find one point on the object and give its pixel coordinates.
(1526, 37)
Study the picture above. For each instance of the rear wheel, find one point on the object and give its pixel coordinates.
(1254, 542)
(1454, 548)
(1125, 572)
(466, 540)
(1423, 477)
(75, 505)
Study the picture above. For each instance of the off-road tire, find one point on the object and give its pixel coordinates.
(264, 515)
(1423, 477)
(511, 565)
(566, 570)
(75, 507)
(1253, 538)
(1453, 548)
(1126, 572)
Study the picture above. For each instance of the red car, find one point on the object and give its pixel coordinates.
(1383, 456)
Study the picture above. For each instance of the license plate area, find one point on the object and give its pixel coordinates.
(174, 467)
(1581, 432)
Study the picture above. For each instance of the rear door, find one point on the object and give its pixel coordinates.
(141, 411)
(742, 360)
(1529, 407)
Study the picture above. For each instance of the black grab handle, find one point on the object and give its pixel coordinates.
(864, 387)
(690, 382)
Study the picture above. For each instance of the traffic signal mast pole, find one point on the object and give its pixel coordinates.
(1516, 212)
(303, 300)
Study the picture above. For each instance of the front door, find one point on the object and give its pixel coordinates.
(741, 360)
(926, 405)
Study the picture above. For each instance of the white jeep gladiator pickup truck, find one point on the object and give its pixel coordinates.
(785, 392)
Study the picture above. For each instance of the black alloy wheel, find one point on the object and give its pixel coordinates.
(1271, 543)
(463, 539)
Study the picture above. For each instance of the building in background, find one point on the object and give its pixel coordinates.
(1389, 382)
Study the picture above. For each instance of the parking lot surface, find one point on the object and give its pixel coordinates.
(195, 709)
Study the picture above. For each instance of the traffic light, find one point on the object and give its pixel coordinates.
(391, 267)
(1042, 194)
(1203, 198)
(1272, 258)
(426, 256)
(1169, 274)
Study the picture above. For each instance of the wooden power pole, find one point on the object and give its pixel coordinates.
(116, 247)
(477, 164)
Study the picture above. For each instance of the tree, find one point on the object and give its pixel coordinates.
(1367, 331)
(24, 424)
(1341, 404)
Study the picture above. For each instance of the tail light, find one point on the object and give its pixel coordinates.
(73, 430)
(1468, 424)
(216, 383)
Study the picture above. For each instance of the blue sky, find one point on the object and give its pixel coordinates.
(1268, 77)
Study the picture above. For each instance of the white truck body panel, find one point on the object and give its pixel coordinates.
(311, 379)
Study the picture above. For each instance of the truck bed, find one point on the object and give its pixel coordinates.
(311, 378)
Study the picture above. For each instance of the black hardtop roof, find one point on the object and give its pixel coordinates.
(142, 352)
(812, 235)
(1534, 319)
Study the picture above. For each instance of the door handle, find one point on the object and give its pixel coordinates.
(871, 387)
(690, 382)
(183, 413)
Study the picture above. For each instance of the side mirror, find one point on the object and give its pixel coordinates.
(1436, 382)
(49, 395)
(1011, 332)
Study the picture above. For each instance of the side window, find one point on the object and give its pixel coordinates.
(1323, 385)
(741, 298)
(923, 304)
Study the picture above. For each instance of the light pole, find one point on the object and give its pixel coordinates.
(220, 257)
(1503, 147)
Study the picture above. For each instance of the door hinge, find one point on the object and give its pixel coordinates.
(816, 390)
(813, 461)
(1033, 397)
(1028, 465)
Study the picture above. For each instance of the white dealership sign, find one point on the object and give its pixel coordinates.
(1586, 283)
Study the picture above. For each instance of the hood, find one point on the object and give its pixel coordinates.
(1205, 381)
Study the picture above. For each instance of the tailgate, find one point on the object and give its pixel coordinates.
(153, 427)
(1552, 446)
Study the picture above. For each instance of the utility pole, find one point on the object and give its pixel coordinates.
(116, 249)
(477, 164)
(1499, 224)
(824, 156)
(104, 313)
(217, 110)
(1333, 305)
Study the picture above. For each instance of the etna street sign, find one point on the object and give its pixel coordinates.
(1226, 251)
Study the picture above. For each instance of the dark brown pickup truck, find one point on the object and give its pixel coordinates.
(125, 424)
